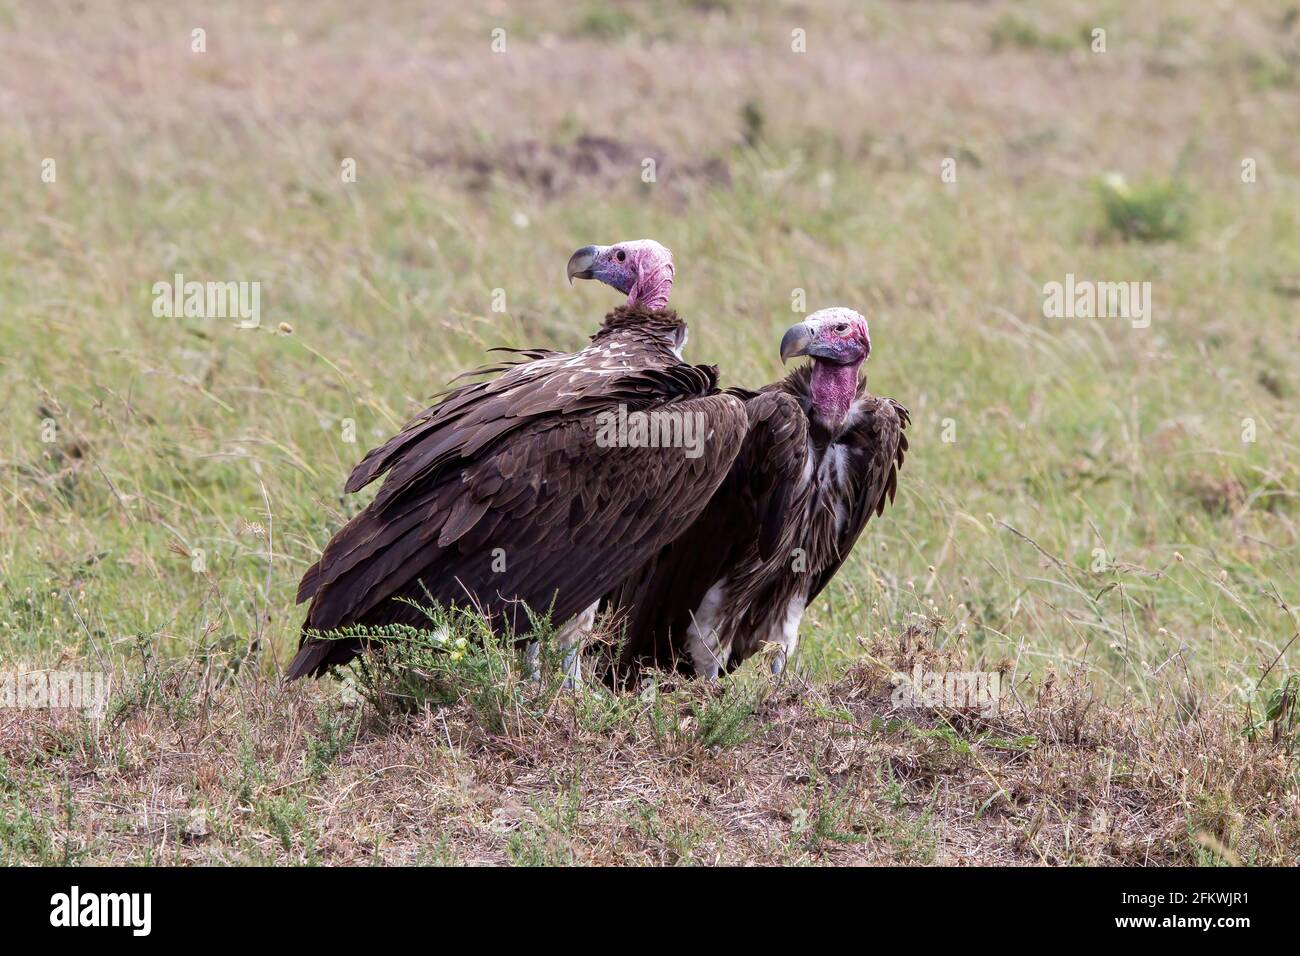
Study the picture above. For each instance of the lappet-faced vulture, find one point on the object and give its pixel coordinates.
(500, 496)
(821, 456)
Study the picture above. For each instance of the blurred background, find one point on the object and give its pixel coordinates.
(405, 180)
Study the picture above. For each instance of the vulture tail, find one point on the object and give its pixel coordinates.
(314, 658)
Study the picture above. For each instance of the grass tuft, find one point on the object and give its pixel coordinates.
(1155, 210)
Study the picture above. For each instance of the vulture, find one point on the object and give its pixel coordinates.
(501, 497)
(821, 455)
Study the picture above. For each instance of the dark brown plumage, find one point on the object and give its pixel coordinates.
(509, 470)
(797, 497)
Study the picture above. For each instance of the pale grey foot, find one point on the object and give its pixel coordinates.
(572, 638)
(572, 664)
(778, 662)
(573, 667)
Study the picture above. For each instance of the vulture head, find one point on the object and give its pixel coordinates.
(641, 269)
(838, 342)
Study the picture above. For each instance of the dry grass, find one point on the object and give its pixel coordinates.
(1098, 512)
(757, 772)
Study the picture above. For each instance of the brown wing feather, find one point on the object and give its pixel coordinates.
(747, 532)
(750, 506)
(571, 518)
(876, 446)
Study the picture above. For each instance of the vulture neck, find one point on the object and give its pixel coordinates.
(662, 326)
(832, 389)
(651, 291)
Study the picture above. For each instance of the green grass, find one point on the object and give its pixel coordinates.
(1071, 438)
(1147, 212)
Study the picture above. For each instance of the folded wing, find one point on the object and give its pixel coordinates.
(502, 498)
(746, 522)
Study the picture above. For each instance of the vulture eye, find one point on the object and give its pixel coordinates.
(621, 255)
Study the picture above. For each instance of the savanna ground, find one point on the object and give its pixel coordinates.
(1105, 514)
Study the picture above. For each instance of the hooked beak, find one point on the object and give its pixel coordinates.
(580, 262)
(795, 342)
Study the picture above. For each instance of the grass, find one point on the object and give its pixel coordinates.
(1147, 212)
(827, 772)
(1082, 497)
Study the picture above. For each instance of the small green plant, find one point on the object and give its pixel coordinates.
(1010, 30)
(752, 120)
(337, 732)
(1279, 720)
(601, 713)
(251, 775)
(457, 656)
(1272, 70)
(24, 838)
(288, 820)
(829, 819)
(549, 840)
(1024, 743)
(606, 23)
(915, 841)
(676, 844)
(1154, 210)
(27, 839)
(721, 721)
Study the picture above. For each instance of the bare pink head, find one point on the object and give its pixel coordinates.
(838, 342)
(641, 269)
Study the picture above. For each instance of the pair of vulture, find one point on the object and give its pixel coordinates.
(504, 498)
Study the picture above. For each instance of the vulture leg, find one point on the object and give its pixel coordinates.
(708, 669)
(572, 639)
(533, 661)
(789, 634)
(702, 635)
(573, 668)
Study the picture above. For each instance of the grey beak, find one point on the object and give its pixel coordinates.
(580, 262)
(795, 342)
